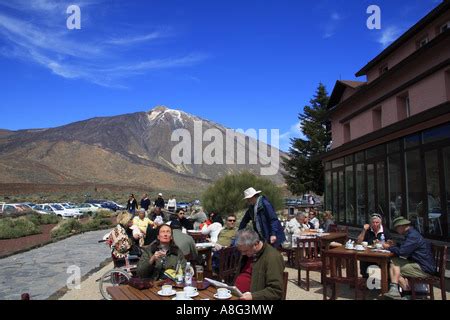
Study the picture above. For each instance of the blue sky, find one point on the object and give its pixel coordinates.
(244, 64)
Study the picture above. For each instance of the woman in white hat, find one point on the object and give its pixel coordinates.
(264, 219)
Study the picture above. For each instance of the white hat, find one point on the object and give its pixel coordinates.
(250, 193)
(160, 194)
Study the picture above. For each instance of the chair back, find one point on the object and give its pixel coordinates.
(285, 284)
(228, 264)
(440, 257)
(307, 249)
(335, 262)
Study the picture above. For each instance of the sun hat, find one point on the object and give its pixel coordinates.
(160, 194)
(250, 193)
(400, 221)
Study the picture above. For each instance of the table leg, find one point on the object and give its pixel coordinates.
(384, 276)
(209, 260)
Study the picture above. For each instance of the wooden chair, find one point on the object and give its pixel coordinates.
(285, 284)
(440, 258)
(307, 258)
(228, 264)
(336, 262)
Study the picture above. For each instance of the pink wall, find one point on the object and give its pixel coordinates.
(409, 47)
(423, 95)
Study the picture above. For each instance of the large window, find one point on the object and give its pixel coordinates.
(341, 197)
(381, 190)
(395, 187)
(360, 195)
(415, 205)
(335, 192)
(328, 191)
(446, 156)
(349, 195)
(371, 188)
(433, 209)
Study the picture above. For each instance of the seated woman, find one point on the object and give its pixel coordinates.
(121, 238)
(327, 221)
(213, 230)
(140, 226)
(375, 232)
(160, 256)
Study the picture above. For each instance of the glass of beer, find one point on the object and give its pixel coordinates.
(199, 271)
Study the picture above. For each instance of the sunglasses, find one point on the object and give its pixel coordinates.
(231, 220)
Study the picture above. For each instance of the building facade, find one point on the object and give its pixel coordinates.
(391, 134)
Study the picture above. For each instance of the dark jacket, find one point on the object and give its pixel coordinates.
(159, 202)
(417, 249)
(156, 271)
(132, 205)
(267, 274)
(145, 203)
(269, 225)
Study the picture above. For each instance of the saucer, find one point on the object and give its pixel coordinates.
(187, 298)
(167, 295)
(360, 249)
(193, 295)
(222, 298)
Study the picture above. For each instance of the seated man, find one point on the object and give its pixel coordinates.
(161, 255)
(297, 225)
(183, 241)
(260, 274)
(372, 233)
(226, 238)
(157, 212)
(198, 217)
(185, 223)
(414, 258)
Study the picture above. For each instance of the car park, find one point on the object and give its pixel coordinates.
(58, 209)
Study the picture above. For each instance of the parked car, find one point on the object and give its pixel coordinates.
(112, 206)
(58, 209)
(11, 208)
(182, 205)
(89, 208)
(290, 202)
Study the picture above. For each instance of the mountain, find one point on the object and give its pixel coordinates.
(130, 149)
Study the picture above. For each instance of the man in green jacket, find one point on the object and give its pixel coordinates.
(260, 274)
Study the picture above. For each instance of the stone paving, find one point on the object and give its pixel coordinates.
(43, 271)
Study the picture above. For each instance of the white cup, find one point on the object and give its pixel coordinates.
(364, 244)
(181, 295)
(320, 230)
(359, 247)
(379, 246)
(190, 291)
(223, 293)
(167, 289)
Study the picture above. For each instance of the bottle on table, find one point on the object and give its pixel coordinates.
(188, 274)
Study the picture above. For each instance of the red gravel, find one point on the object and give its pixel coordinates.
(9, 246)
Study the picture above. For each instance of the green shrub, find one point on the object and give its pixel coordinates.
(226, 195)
(66, 227)
(43, 219)
(16, 228)
(97, 224)
(103, 214)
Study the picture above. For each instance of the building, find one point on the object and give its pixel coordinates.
(391, 134)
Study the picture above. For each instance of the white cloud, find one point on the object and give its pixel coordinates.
(295, 131)
(90, 59)
(388, 35)
(329, 28)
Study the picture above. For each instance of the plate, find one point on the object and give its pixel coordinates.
(182, 299)
(362, 249)
(167, 295)
(223, 298)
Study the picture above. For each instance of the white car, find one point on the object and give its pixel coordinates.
(57, 209)
(89, 208)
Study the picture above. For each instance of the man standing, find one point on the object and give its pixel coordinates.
(145, 202)
(260, 274)
(132, 205)
(414, 258)
(159, 202)
(264, 218)
(172, 204)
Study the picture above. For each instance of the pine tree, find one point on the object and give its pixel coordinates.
(304, 169)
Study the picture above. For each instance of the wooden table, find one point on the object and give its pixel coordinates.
(129, 293)
(380, 258)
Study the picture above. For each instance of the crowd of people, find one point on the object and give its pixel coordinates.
(161, 240)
